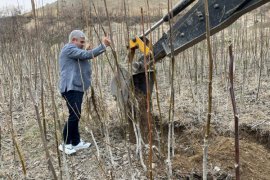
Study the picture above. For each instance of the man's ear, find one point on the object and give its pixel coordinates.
(73, 39)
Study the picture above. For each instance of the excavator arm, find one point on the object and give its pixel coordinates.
(187, 31)
(190, 29)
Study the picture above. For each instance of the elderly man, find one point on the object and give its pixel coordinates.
(75, 79)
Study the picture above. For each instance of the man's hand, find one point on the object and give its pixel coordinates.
(88, 47)
(106, 41)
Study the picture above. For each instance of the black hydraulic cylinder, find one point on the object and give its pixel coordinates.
(177, 9)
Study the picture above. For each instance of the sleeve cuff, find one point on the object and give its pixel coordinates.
(104, 46)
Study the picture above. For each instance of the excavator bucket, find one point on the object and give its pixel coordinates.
(123, 84)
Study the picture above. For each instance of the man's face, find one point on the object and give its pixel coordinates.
(79, 42)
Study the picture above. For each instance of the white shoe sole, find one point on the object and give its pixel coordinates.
(66, 151)
(82, 147)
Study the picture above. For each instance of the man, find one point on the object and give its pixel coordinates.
(75, 79)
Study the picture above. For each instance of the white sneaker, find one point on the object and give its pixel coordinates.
(67, 148)
(81, 145)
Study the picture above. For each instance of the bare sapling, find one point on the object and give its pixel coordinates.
(45, 147)
(9, 77)
(209, 113)
(98, 157)
(138, 136)
(261, 61)
(56, 119)
(108, 147)
(171, 140)
(1, 147)
(157, 133)
(139, 144)
(13, 135)
(95, 142)
(236, 117)
(148, 110)
(117, 66)
(38, 67)
(127, 139)
(119, 83)
(245, 61)
(191, 85)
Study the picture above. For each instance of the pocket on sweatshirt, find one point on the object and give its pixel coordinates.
(77, 81)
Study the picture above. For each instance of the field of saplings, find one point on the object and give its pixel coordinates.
(172, 144)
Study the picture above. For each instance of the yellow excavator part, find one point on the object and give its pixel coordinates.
(137, 43)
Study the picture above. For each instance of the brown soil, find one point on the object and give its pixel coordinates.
(187, 162)
(254, 158)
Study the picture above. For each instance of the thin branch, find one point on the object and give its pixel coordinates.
(236, 118)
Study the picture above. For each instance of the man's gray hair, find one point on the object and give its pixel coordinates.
(76, 34)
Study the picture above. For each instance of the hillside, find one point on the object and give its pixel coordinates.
(115, 7)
